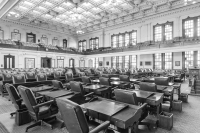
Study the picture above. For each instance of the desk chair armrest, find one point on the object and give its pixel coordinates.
(19, 101)
(43, 104)
(89, 94)
(103, 126)
(39, 97)
(143, 106)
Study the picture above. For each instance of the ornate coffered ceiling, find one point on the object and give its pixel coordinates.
(87, 15)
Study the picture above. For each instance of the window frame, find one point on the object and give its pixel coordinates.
(82, 45)
(195, 26)
(163, 25)
(92, 42)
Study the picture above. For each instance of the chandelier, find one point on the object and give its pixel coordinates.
(79, 30)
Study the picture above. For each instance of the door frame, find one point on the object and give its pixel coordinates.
(5, 61)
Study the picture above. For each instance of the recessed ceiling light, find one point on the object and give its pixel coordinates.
(22, 7)
(28, 3)
(12, 13)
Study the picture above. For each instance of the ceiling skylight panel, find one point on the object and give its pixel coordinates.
(27, 4)
(22, 8)
(35, 12)
(41, 9)
(87, 5)
(96, 10)
(47, 4)
(68, 5)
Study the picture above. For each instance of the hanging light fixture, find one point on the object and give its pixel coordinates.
(79, 30)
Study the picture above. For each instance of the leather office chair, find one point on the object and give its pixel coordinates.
(7, 77)
(145, 86)
(78, 89)
(39, 112)
(69, 77)
(162, 81)
(106, 81)
(75, 120)
(41, 77)
(15, 98)
(86, 80)
(126, 79)
(57, 75)
(180, 78)
(58, 85)
(129, 97)
(19, 78)
(30, 75)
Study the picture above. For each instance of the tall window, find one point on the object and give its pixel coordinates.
(94, 43)
(55, 41)
(198, 59)
(82, 45)
(114, 62)
(114, 41)
(124, 39)
(126, 61)
(158, 61)
(168, 60)
(96, 62)
(189, 59)
(30, 37)
(64, 43)
(191, 27)
(133, 38)
(163, 32)
(133, 61)
(120, 62)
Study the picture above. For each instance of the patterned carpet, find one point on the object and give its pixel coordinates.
(185, 122)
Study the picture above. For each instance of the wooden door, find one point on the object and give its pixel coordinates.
(9, 61)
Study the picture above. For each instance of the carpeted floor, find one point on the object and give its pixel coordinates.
(187, 121)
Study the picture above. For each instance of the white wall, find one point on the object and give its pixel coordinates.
(144, 58)
(177, 57)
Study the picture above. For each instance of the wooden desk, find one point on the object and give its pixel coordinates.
(124, 116)
(152, 98)
(55, 94)
(41, 88)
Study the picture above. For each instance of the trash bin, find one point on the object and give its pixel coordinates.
(22, 117)
(166, 120)
(183, 97)
(177, 105)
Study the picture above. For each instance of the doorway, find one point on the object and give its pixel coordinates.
(71, 62)
(9, 61)
(45, 62)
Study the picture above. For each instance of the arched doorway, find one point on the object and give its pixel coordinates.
(71, 62)
(90, 63)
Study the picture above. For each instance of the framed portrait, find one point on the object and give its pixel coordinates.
(177, 63)
(30, 37)
(141, 63)
(107, 63)
(44, 39)
(55, 41)
(29, 62)
(100, 63)
(147, 63)
(16, 36)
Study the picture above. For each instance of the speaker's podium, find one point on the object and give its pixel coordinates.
(194, 72)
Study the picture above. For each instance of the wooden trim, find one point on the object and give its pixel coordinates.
(195, 58)
(183, 60)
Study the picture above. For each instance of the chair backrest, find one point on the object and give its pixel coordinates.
(125, 96)
(7, 77)
(162, 81)
(57, 74)
(72, 116)
(57, 84)
(86, 79)
(68, 76)
(14, 95)
(80, 74)
(145, 86)
(124, 78)
(28, 98)
(30, 75)
(104, 81)
(77, 87)
(41, 77)
(19, 78)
